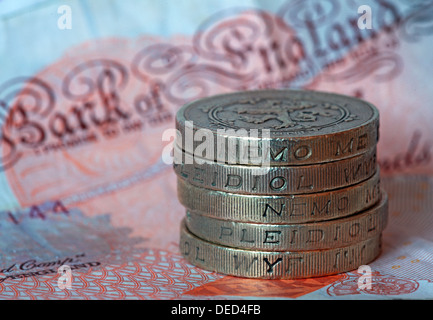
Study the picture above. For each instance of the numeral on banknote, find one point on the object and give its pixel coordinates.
(38, 212)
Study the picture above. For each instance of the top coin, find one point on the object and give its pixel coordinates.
(277, 127)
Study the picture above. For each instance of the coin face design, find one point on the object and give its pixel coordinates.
(286, 127)
(283, 112)
(284, 115)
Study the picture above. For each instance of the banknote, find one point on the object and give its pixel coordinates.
(88, 207)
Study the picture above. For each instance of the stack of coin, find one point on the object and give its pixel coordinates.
(279, 184)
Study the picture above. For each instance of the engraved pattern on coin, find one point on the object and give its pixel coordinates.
(278, 114)
(285, 112)
(279, 209)
(291, 237)
(276, 265)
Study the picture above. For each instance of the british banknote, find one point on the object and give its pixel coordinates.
(87, 89)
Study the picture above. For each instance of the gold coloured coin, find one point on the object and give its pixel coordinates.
(291, 237)
(275, 180)
(291, 127)
(276, 209)
(276, 265)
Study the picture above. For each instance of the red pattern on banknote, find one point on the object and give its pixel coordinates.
(84, 120)
(154, 274)
(386, 285)
(233, 286)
